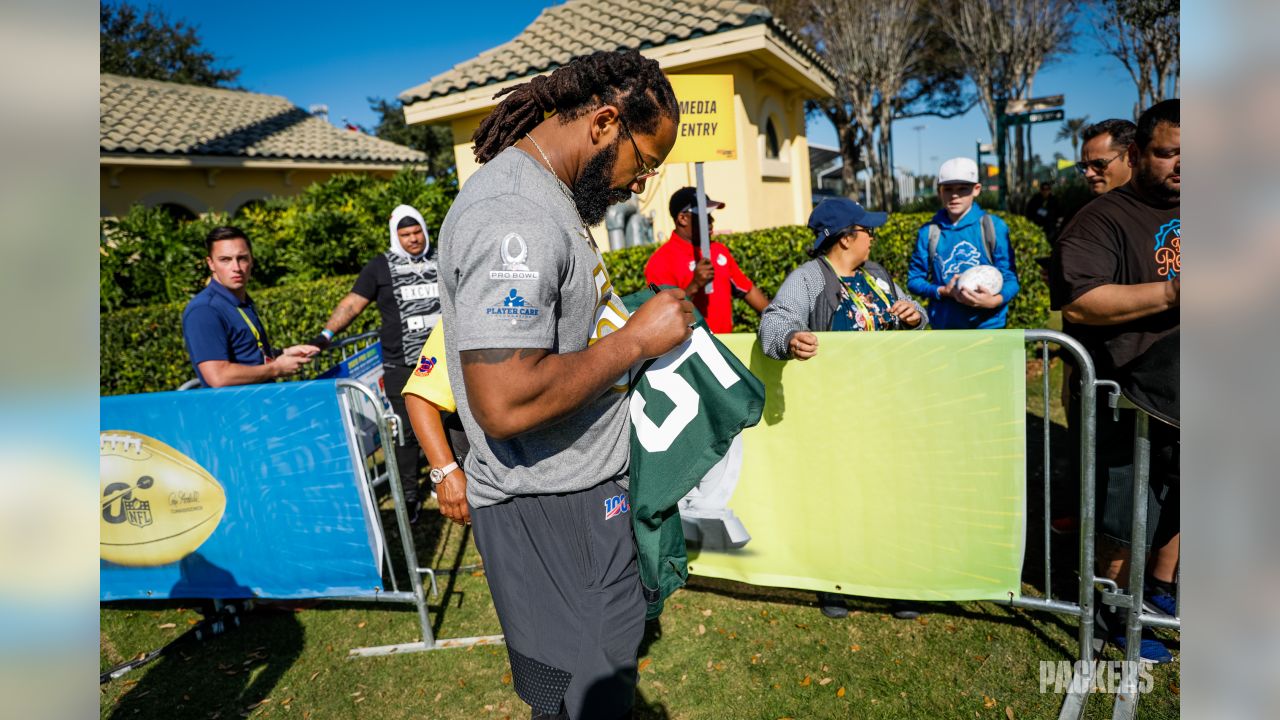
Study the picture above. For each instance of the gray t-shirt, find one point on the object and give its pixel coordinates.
(518, 270)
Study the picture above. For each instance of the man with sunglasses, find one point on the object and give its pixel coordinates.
(710, 282)
(1102, 156)
(540, 351)
(1118, 271)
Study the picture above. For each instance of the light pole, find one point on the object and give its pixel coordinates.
(919, 154)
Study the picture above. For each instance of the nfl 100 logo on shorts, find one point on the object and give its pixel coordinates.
(615, 506)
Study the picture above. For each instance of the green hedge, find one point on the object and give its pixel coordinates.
(767, 256)
(330, 228)
(142, 348)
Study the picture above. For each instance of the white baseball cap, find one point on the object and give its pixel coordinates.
(958, 170)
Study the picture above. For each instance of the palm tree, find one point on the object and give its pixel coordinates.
(1071, 130)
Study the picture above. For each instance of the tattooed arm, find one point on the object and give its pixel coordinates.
(512, 391)
(348, 309)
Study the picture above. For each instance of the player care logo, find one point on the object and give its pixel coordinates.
(615, 506)
(513, 308)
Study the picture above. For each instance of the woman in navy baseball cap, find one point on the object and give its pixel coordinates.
(839, 289)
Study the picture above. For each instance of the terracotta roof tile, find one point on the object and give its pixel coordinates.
(150, 116)
(580, 27)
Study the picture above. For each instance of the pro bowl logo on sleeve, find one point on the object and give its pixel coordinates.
(513, 307)
(515, 256)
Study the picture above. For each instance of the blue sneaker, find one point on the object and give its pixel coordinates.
(1158, 601)
(1151, 649)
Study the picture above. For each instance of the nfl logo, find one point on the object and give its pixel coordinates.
(138, 512)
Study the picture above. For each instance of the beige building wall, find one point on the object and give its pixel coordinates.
(758, 192)
(201, 190)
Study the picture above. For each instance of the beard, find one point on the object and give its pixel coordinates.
(592, 193)
(1154, 187)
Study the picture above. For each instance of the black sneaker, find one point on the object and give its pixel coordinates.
(904, 610)
(832, 605)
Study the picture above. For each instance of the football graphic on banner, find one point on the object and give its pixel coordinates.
(158, 505)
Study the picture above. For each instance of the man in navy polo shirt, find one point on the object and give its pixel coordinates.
(225, 338)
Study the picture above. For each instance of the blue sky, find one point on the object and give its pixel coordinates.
(339, 54)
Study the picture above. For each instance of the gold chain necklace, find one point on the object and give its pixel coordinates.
(584, 231)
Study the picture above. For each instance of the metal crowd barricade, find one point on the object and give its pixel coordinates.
(1083, 608)
(388, 428)
(371, 425)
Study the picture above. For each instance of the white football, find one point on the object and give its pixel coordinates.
(986, 277)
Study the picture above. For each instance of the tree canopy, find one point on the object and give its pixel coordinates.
(434, 140)
(146, 44)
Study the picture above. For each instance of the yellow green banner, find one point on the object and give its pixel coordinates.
(893, 465)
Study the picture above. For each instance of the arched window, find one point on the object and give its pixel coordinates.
(772, 148)
(181, 213)
(250, 204)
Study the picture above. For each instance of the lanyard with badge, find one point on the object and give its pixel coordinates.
(266, 357)
(855, 298)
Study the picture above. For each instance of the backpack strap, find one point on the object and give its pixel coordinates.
(989, 236)
(935, 232)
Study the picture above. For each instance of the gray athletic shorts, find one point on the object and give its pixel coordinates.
(562, 571)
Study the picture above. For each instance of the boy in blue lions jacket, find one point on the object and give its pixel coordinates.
(959, 237)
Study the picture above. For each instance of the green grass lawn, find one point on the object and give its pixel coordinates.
(722, 650)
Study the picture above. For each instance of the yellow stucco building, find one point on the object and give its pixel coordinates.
(773, 72)
(194, 149)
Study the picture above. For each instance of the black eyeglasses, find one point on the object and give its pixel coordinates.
(1099, 166)
(646, 171)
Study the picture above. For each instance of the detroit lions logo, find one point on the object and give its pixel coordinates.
(1168, 249)
(963, 256)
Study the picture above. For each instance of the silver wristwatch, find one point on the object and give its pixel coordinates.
(437, 474)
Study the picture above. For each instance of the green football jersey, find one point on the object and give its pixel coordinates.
(686, 409)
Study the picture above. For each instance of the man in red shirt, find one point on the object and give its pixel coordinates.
(677, 263)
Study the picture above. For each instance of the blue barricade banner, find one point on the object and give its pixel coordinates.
(230, 493)
(365, 367)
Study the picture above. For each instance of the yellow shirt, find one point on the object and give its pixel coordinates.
(430, 380)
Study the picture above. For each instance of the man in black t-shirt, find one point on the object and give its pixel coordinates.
(1117, 268)
(404, 283)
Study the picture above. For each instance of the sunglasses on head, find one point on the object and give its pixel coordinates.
(1099, 165)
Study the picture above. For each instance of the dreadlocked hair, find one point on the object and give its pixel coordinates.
(625, 79)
